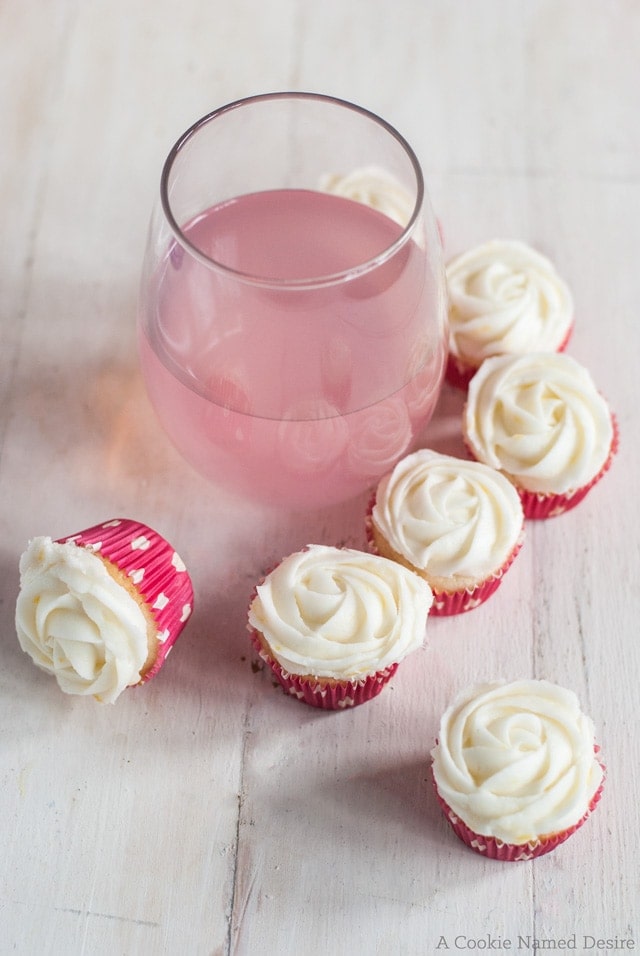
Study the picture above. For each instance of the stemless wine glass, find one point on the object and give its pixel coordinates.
(292, 324)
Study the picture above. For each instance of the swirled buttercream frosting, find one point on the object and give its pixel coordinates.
(540, 419)
(339, 613)
(516, 760)
(77, 622)
(448, 517)
(374, 187)
(505, 297)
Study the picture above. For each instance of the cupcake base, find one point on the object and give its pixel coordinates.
(325, 693)
(446, 603)
(495, 849)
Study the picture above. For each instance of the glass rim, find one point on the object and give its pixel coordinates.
(309, 282)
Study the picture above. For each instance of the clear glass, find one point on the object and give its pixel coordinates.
(292, 321)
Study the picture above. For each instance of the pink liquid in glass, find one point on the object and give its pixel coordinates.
(302, 396)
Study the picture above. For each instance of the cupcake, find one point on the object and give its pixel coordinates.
(504, 298)
(334, 623)
(515, 768)
(101, 609)
(456, 523)
(540, 420)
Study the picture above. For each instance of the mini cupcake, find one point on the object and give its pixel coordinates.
(101, 609)
(515, 768)
(504, 298)
(333, 623)
(541, 421)
(458, 524)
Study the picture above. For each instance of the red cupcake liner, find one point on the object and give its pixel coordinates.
(495, 849)
(538, 506)
(459, 372)
(156, 570)
(339, 695)
(448, 603)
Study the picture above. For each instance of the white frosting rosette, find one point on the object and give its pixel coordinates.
(540, 419)
(339, 614)
(505, 297)
(101, 609)
(456, 521)
(516, 765)
(77, 622)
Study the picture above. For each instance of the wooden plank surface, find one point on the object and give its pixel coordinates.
(206, 813)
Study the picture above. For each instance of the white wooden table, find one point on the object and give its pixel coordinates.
(206, 813)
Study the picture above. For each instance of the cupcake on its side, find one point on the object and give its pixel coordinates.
(334, 623)
(101, 609)
(504, 298)
(515, 768)
(541, 421)
(456, 523)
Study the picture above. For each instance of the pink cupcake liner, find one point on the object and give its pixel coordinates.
(156, 570)
(340, 695)
(458, 602)
(495, 849)
(448, 603)
(459, 372)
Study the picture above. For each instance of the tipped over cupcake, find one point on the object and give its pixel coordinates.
(101, 609)
(334, 623)
(516, 768)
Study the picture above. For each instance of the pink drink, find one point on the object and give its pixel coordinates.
(295, 393)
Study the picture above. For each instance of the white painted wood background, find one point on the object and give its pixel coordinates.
(207, 814)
